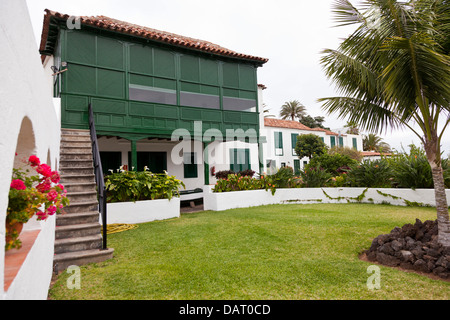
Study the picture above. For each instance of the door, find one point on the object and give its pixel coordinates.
(156, 162)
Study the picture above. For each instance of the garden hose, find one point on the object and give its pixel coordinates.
(119, 227)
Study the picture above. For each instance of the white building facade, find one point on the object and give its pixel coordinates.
(279, 151)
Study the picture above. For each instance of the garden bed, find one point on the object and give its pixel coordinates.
(218, 201)
(143, 211)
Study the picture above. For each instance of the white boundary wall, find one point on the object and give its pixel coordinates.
(218, 201)
(143, 211)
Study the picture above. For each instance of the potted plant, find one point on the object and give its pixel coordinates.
(40, 194)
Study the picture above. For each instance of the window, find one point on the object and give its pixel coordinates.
(355, 143)
(239, 104)
(239, 159)
(294, 143)
(278, 143)
(341, 141)
(152, 94)
(190, 165)
(332, 141)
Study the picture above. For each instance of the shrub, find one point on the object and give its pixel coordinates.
(237, 182)
(347, 151)
(314, 176)
(371, 174)
(411, 170)
(224, 173)
(334, 164)
(134, 186)
(284, 178)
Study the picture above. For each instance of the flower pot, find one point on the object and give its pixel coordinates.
(12, 235)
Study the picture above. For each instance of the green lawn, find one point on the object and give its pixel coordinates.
(284, 252)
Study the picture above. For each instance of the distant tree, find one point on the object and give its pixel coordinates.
(292, 109)
(372, 142)
(309, 145)
(316, 122)
(347, 151)
(352, 127)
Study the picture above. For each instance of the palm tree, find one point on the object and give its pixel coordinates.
(292, 109)
(266, 111)
(394, 71)
(372, 142)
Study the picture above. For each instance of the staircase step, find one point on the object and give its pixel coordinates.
(79, 132)
(76, 163)
(80, 187)
(74, 145)
(83, 196)
(64, 260)
(75, 138)
(77, 230)
(86, 170)
(78, 206)
(81, 154)
(77, 218)
(78, 243)
(75, 179)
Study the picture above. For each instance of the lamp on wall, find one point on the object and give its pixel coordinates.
(56, 70)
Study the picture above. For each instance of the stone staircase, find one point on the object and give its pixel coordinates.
(78, 238)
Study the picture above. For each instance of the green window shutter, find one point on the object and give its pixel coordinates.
(239, 159)
(323, 139)
(341, 141)
(278, 143)
(355, 144)
(190, 165)
(332, 141)
(246, 166)
(294, 142)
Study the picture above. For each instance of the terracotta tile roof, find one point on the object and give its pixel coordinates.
(147, 33)
(279, 123)
(373, 153)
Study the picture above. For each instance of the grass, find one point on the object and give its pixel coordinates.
(287, 252)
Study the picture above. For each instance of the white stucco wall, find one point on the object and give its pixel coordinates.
(25, 94)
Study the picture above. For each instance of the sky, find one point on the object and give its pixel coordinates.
(290, 33)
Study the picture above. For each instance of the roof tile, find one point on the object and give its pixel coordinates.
(145, 32)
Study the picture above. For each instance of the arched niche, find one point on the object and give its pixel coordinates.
(26, 142)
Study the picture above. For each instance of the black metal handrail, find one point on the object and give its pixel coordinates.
(99, 178)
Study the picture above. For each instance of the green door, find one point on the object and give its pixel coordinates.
(296, 166)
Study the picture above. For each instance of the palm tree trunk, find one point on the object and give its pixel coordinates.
(443, 219)
(441, 207)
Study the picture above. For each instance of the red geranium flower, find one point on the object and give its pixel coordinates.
(18, 184)
(45, 170)
(55, 177)
(34, 161)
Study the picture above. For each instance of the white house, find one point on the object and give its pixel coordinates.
(279, 151)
